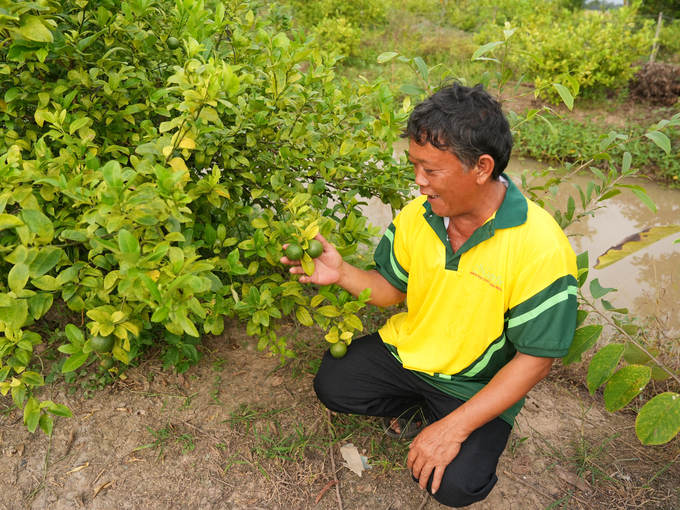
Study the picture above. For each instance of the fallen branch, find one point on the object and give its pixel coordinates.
(425, 500)
(324, 490)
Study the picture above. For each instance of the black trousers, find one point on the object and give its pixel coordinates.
(370, 381)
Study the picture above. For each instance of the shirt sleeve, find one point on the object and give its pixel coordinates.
(543, 323)
(391, 261)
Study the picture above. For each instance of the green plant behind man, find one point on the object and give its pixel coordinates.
(151, 190)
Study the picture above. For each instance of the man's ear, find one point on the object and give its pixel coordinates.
(484, 169)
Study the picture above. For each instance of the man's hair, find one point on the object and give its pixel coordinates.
(465, 121)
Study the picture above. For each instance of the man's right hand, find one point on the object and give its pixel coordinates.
(327, 267)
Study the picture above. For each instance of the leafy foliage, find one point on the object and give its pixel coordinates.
(598, 48)
(566, 140)
(151, 189)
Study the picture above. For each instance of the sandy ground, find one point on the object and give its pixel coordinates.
(239, 432)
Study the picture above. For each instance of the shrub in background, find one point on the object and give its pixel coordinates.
(598, 48)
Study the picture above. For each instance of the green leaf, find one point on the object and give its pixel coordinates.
(329, 311)
(597, 291)
(627, 160)
(634, 355)
(46, 424)
(659, 419)
(9, 221)
(153, 288)
(112, 174)
(565, 95)
(74, 361)
(482, 50)
(625, 385)
(582, 265)
(56, 409)
(32, 378)
(661, 140)
(645, 199)
(74, 335)
(32, 29)
(635, 242)
(32, 420)
(412, 89)
(39, 224)
(584, 339)
(160, 314)
(603, 365)
(307, 265)
(386, 57)
(127, 242)
(77, 124)
(303, 316)
(422, 68)
(47, 258)
(17, 277)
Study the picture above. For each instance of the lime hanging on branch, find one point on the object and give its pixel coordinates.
(338, 349)
(294, 252)
(102, 344)
(172, 42)
(315, 249)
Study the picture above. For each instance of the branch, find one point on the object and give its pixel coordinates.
(630, 339)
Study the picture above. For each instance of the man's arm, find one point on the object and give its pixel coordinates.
(329, 268)
(438, 444)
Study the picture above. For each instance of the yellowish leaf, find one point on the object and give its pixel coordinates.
(178, 165)
(187, 143)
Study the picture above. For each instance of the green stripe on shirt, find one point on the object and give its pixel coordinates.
(545, 305)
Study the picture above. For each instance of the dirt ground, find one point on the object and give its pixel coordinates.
(237, 431)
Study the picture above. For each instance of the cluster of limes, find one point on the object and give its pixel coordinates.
(295, 252)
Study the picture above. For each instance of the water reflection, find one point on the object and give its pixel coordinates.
(648, 282)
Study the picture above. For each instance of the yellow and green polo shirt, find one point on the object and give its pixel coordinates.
(510, 287)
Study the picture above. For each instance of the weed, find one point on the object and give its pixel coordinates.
(187, 402)
(247, 414)
(167, 435)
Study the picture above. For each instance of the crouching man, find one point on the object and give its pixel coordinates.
(490, 282)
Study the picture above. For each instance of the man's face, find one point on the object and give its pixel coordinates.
(440, 176)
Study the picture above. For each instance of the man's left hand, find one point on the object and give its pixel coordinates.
(432, 451)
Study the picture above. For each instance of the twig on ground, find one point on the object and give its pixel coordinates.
(425, 500)
(335, 476)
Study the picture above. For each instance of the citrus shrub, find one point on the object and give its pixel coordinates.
(598, 48)
(150, 188)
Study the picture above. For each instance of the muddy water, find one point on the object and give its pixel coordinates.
(648, 282)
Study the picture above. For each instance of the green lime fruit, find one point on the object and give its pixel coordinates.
(294, 252)
(107, 363)
(173, 43)
(102, 344)
(315, 249)
(339, 349)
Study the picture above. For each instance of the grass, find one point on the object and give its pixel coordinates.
(573, 140)
(168, 435)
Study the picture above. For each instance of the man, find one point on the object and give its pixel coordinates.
(491, 288)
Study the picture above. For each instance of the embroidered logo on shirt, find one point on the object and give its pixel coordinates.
(486, 274)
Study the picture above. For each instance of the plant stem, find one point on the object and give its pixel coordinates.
(631, 340)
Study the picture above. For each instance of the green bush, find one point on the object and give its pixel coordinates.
(355, 12)
(669, 41)
(598, 48)
(337, 35)
(151, 189)
(574, 140)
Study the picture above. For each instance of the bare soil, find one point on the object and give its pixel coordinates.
(238, 431)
